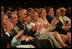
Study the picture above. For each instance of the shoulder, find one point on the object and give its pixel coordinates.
(66, 17)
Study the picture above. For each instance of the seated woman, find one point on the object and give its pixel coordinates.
(6, 28)
(36, 26)
(43, 20)
(61, 28)
(51, 18)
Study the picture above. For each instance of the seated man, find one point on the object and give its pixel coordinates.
(18, 30)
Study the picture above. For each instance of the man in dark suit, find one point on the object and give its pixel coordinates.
(61, 27)
(22, 26)
(19, 25)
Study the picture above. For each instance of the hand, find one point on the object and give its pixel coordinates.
(34, 28)
(31, 46)
(56, 22)
(66, 30)
(40, 27)
(30, 38)
(46, 25)
(65, 27)
(23, 37)
(19, 34)
(53, 21)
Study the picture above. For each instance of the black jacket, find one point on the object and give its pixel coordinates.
(58, 25)
(23, 26)
(5, 40)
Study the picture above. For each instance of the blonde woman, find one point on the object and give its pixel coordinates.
(36, 26)
(46, 24)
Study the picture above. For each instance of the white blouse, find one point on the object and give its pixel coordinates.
(40, 20)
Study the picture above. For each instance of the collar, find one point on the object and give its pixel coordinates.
(6, 33)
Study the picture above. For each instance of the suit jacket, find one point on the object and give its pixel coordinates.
(59, 28)
(58, 25)
(5, 40)
(50, 18)
(23, 26)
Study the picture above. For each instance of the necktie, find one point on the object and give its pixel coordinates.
(60, 18)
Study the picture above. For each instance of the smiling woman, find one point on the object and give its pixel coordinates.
(35, 24)
(4, 19)
(6, 28)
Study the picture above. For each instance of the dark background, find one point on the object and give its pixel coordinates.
(36, 3)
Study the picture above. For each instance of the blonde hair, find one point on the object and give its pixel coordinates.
(32, 15)
(40, 11)
(62, 8)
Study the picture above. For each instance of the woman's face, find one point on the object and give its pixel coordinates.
(36, 16)
(51, 12)
(5, 20)
(43, 13)
(58, 13)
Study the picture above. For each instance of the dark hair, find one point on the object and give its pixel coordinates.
(13, 10)
(49, 9)
(9, 15)
(56, 9)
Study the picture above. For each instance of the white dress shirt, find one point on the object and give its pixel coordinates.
(7, 33)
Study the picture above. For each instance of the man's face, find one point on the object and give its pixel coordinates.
(24, 14)
(15, 11)
(63, 13)
(28, 19)
(7, 12)
(14, 18)
(58, 13)
(2, 8)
